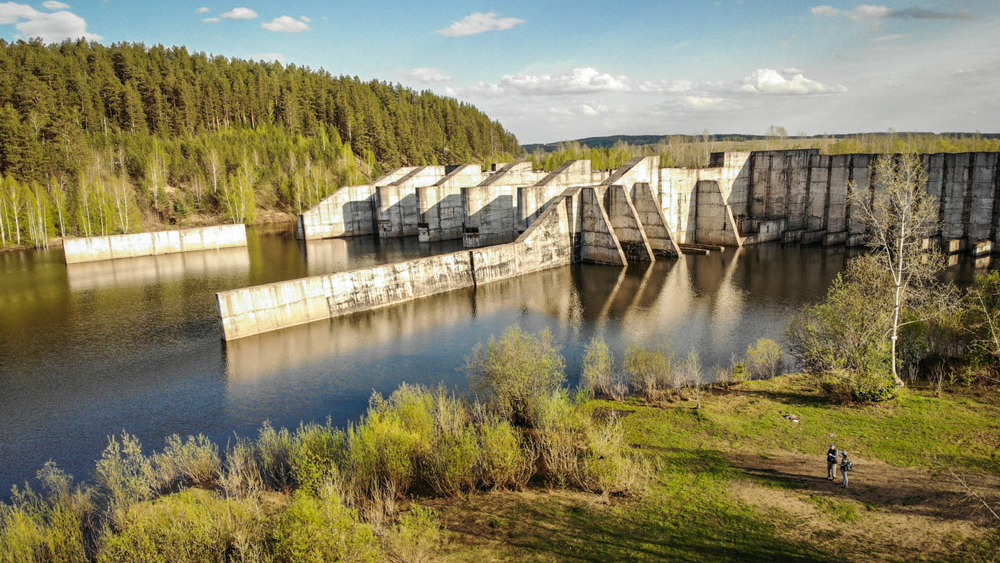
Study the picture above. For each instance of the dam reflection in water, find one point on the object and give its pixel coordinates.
(94, 349)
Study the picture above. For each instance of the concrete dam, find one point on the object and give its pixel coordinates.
(513, 220)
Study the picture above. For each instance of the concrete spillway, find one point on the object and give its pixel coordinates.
(575, 214)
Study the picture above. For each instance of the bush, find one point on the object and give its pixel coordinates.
(241, 476)
(195, 462)
(865, 387)
(558, 435)
(416, 538)
(383, 449)
(191, 526)
(450, 463)
(764, 359)
(597, 375)
(606, 465)
(123, 474)
(317, 529)
(506, 459)
(35, 529)
(316, 452)
(274, 456)
(649, 369)
(516, 372)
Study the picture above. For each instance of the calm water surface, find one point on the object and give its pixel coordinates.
(89, 350)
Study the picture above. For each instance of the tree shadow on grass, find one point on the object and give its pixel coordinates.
(785, 397)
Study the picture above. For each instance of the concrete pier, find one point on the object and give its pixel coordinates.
(91, 249)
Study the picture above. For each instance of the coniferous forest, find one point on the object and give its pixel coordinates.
(101, 139)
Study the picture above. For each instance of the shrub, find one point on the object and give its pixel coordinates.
(383, 449)
(192, 526)
(597, 375)
(416, 538)
(516, 372)
(764, 359)
(841, 386)
(274, 456)
(738, 371)
(649, 369)
(316, 452)
(195, 462)
(450, 462)
(123, 473)
(35, 529)
(557, 434)
(606, 465)
(318, 529)
(241, 476)
(506, 459)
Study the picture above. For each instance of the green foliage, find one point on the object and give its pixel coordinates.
(516, 372)
(449, 464)
(981, 318)
(194, 462)
(316, 454)
(764, 359)
(241, 474)
(506, 459)
(606, 465)
(123, 473)
(416, 538)
(45, 529)
(126, 133)
(192, 526)
(274, 456)
(319, 529)
(598, 375)
(651, 369)
(384, 448)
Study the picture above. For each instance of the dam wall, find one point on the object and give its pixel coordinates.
(91, 249)
(440, 204)
(346, 212)
(395, 204)
(574, 226)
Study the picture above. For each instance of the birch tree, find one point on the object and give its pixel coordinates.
(900, 215)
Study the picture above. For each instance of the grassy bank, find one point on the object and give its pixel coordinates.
(737, 480)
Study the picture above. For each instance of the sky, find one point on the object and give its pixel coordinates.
(552, 71)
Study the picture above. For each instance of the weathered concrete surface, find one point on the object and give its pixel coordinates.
(715, 223)
(654, 224)
(346, 212)
(625, 222)
(143, 270)
(396, 210)
(440, 205)
(532, 199)
(110, 247)
(597, 241)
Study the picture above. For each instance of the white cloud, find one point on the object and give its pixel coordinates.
(270, 57)
(428, 75)
(211, 20)
(285, 24)
(866, 12)
(702, 102)
(478, 22)
(576, 81)
(50, 27)
(770, 81)
(577, 110)
(891, 37)
(202, 10)
(306, 19)
(241, 13)
(54, 5)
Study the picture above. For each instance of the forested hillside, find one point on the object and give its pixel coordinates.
(97, 139)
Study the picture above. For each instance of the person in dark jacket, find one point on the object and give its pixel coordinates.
(845, 467)
(831, 463)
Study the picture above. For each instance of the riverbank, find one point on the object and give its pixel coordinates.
(740, 478)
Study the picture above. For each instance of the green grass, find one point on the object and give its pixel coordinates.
(690, 512)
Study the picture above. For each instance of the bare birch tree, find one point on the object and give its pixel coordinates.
(900, 216)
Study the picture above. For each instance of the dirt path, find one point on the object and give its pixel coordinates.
(884, 508)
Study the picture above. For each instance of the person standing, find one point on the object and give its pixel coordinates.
(831, 463)
(845, 467)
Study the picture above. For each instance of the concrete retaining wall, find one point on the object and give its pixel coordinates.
(346, 212)
(396, 210)
(110, 247)
(440, 205)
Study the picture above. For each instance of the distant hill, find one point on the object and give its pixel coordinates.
(638, 140)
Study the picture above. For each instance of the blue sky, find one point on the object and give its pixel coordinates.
(556, 70)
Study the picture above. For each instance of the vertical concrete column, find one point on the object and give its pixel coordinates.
(626, 225)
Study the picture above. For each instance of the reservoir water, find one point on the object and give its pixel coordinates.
(89, 350)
